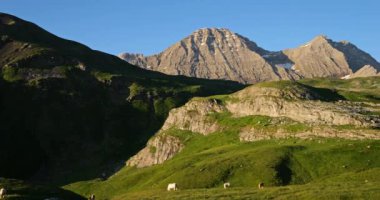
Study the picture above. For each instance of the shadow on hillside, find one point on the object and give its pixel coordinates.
(75, 129)
(21, 190)
(325, 94)
(284, 173)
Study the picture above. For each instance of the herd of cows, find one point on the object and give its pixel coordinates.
(173, 186)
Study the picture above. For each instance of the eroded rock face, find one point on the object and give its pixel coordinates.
(314, 112)
(299, 106)
(193, 116)
(218, 53)
(293, 104)
(158, 149)
(297, 103)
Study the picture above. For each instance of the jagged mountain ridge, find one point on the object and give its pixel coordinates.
(218, 53)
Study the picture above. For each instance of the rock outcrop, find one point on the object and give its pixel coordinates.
(159, 149)
(252, 134)
(218, 53)
(285, 102)
(193, 116)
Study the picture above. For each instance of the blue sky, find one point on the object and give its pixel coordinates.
(150, 26)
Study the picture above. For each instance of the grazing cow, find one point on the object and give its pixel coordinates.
(226, 185)
(92, 197)
(172, 186)
(3, 192)
(261, 185)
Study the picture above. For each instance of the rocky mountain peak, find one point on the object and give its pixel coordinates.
(321, 38)
(219, 53)
(213, 31)
(221, 38)
(211, 36)
(318, 41)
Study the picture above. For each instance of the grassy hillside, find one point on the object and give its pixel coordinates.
(208, 162)
(318, 190)
(359, 89)
(70, 113)
(290, 168)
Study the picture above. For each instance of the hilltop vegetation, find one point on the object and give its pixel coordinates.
(358, 89)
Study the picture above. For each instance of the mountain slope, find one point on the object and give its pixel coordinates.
(327, 141)
(311, 111)
(214, 53)
(66, 108)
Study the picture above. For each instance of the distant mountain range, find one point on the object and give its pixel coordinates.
(218, 53)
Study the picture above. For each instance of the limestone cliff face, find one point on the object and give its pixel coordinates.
(294, 102)
(275, 102)
(218, 53)
(159, 149)
(194, 116)
(301, 106)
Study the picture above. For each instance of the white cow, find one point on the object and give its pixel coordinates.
(226, 185)
(261, 185)
(3, 192)
(172, 186)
